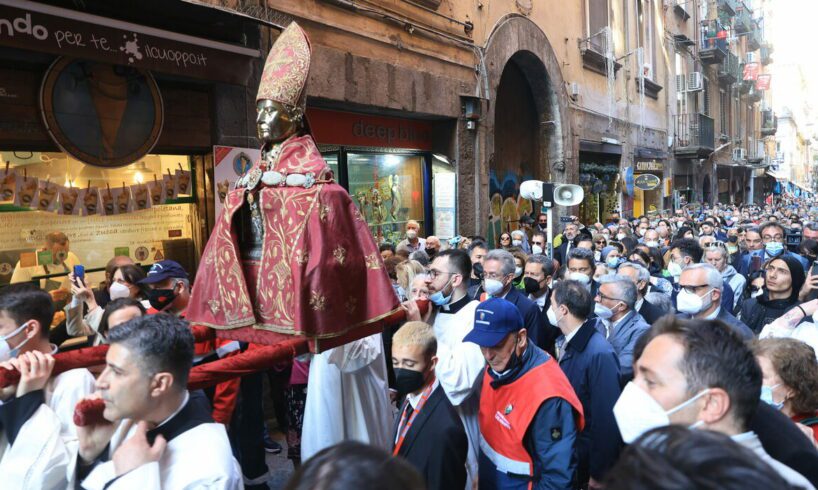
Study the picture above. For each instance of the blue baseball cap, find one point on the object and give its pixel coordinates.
(494, 319)
(163, 270)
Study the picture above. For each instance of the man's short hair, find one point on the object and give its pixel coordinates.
(540, 234)
(688, 247)
(159, 343)
(719, 250)
(582, 254)
(386, 246)
(771, 224)
(56, 237)
(24, 305)
(477, 244)
(713, 276)
(416, 333)
(642, 274)
(574, 296)
(547, 263)
(459, 261)
(673, 457)
(715, 357)
(626, 289)
(420, 256)
(507, 264)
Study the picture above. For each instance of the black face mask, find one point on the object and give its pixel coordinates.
(161, 298)
(408, 381)
(431, 252)
(732, 238)
(477, 268)
(531, 285)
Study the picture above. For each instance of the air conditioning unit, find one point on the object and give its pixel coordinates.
(681, 84)
(695, 82)
(647, 71)
(738, 154)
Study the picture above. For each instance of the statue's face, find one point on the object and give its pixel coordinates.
(274, 121)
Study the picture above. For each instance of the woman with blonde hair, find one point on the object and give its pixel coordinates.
(406, 272)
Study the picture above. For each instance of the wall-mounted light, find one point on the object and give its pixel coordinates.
(470, 108)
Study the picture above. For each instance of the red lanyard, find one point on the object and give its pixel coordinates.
(406, 424)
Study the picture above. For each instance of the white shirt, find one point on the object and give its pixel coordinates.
(24, 274)
(540, 301)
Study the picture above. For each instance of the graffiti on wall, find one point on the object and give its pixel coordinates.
(507, 207)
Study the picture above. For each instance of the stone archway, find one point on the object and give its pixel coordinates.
(526, 128)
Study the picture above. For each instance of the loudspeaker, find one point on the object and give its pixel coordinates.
(568, 195)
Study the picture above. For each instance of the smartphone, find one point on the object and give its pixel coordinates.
(79, 274)
(815, 268)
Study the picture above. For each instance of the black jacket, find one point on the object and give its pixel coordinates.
(758, 312)
(785, 442)
(436, 443)
(651, 312)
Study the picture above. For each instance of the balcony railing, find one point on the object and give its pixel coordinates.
(766, 54)
(755, 150)
(695, 136)
(769, 123)
(727, 6)
(754, 37)
(730, 70)
(755, 95)
(744, 18)
(713, 42)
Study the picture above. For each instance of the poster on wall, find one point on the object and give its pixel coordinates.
(230, 163)
(445, 204)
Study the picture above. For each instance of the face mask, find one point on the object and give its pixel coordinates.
(652, 243)
(517, 243)
(620, 236)
(636, 412)
(531, 285)
(431, 252)
(612, 262)
(118, 290)
(492, 287)
(438, 298)
(774, 248)
(161, 298)
(691, 303)
(602, 311)
(767, 396)
(518, 271)
(758, 292)
(536, 250)
(579, 276)
(674, 269)
(552, 316)
(477, 268)
(408, 381)
(411, 234)
(597, 256)
(6, 352)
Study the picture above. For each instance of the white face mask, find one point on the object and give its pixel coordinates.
(579, 276)
(411, 234)
(536, 250)
(652, 243)
(118, 290)
(492, 287)
(620, 236)
(518, 271)
(517, 243)
(602, 311)
(674, 269)
(691, 303)
(6, 352)
(552, 316)
(636, 412)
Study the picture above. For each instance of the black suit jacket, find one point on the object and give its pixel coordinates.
(651, 312)
(779, 437)
(532, 318)
(436, 444)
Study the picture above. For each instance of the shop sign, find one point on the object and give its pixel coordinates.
(647, 182)
(101, 114)
(347, 128)
(751, 71)
(763, 82)
(38, 27)
(650, 166)
(445, 204)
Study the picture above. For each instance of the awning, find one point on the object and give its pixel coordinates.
(776, 176)
(599, 147)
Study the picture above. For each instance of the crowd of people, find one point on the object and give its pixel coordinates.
(676, 350)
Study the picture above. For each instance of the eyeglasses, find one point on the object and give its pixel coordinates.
(609, 298)
(433, 273)
(493, 275)
(505, 239)
(692, 289)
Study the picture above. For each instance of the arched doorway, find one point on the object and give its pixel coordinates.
(706, 189)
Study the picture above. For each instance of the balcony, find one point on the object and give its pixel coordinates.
(769, 123)
(766, 54)
(728, 7)
(680, 8)
(744, 18)
(695, 136)
(730, 70)
(713, 48)
(754, 95)
(755, 151)
(754, 37)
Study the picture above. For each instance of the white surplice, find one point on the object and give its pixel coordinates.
(347, 397)
(44, 453)
(458, 367)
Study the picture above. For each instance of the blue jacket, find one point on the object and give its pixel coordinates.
(623, 339)
(554, 460)
(744, 267)
(590, 364)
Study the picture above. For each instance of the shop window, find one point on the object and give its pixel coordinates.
(444, 197)
(142, 210)
(600, 182)
(388, 189)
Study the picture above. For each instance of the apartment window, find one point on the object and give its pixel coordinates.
(706, 98)
(724, 109)
(597, 18)
(682, 96)
(645, 35)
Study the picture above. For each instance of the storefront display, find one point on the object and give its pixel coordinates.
(600, 183)
(647, 197)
